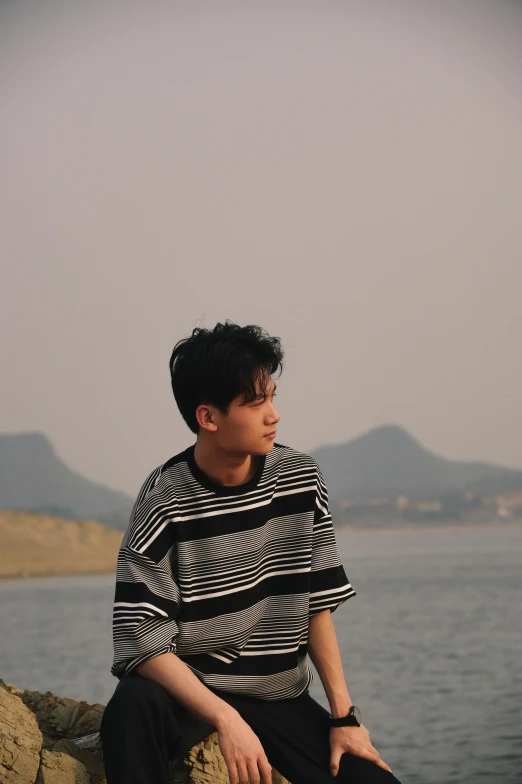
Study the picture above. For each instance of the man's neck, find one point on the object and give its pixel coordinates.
(225, 468)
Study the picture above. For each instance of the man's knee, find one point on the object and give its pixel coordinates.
(354, 768)
(135, 701)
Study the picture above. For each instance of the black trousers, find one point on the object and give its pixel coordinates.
(143, 728)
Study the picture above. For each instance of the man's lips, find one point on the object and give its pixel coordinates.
(271, 435)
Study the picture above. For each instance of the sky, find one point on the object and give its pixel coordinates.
(347, 175)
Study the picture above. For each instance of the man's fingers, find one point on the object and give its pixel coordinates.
(254, 774)
(265, 770)
(242, 772)
(257, 772)
(335, 758)
(379, 761)
(233, 774)
(373, 755)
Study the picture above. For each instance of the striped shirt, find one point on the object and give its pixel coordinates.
(227, 577)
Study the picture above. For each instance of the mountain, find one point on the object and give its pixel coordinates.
(384, 461)
(34, 478)
(389, 460)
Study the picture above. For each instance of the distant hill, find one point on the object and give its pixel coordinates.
(388, 460)
(34, 478)
(384, 461)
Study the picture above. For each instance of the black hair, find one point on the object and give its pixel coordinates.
(214, 366)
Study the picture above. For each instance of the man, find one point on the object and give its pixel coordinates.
(227, 577)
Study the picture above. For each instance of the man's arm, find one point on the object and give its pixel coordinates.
(324, 652)
(178, 679)
(241, 748)
(145, 631)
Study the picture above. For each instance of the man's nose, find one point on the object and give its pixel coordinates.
(273, 415)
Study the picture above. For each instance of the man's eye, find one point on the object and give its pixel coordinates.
(263, 400)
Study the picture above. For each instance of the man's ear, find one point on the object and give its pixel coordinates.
(205, 418)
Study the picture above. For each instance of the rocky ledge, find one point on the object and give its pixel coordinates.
(46, 739)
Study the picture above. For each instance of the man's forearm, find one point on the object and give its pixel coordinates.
(181, 683)
(324, 652)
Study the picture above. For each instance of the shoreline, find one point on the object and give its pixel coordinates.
(341, 532)
(347, 530)
(26, 574)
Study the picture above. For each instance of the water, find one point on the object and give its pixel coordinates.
(431, 647)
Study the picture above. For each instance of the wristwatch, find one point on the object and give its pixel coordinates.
(352, 719)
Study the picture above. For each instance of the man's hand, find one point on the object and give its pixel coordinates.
(243, 753)
(355, 740)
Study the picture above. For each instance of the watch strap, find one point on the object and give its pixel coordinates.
(352, 719)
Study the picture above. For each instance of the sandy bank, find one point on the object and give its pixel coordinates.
(35, 545)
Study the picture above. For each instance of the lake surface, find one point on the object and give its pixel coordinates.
(431, 645)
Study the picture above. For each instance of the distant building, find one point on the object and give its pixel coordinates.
(380, 502)
(429, 506)
(509, 505)
(402, 502)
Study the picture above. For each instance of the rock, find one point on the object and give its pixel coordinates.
(91, 760)
(37, 747)
(57, 768)
(61, 717)
(203, 764)
(20, 740)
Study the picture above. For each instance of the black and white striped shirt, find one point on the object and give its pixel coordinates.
(227, 577)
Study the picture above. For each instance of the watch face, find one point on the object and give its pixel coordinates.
(356, 713)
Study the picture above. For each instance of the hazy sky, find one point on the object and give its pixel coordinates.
(346, 174)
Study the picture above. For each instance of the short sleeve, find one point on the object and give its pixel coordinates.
(147, 597)
(330, 586)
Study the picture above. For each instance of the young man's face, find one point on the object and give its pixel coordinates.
(249, 428)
